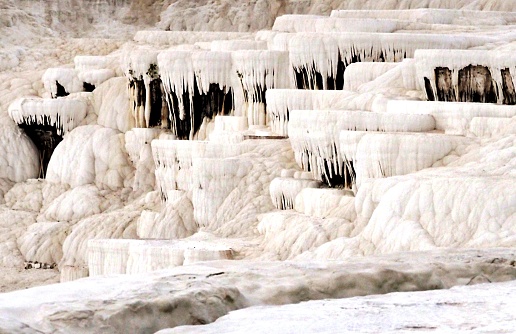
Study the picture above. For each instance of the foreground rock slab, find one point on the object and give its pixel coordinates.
(202, 293)
(483, 308)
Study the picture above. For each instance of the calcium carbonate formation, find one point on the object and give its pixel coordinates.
(467, 76)
(325, 138)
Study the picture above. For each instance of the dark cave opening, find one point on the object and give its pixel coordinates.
(61, 91)
(476, 85)
(338, 178)
(87, 87)
(46, 138)
(443, 83)
(509, 95)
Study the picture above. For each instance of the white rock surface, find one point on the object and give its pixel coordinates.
(111, 105)
(453, 118)
(284, 191)
(493, 126)
(430, 190)
(472, 309)
(202, 293)
(18, 156)
(91, 154)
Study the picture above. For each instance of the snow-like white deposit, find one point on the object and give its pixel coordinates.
(453, 118)
(19, 157)
(201, 293)
(91, 154)
(360, 73)
(438, 14)
(86, 63)
(170, 38)
(323, 24)
(123, 256)
(281, 101)
(195, 172)
(63, 114)
(238, 44)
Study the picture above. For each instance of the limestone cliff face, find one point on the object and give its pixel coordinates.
(252, 15)
(80, 18)
(120, 18)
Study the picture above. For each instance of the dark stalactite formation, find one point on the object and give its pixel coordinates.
(308, 77)
(443, 83)
(156, 95)
(335, 175)
(285, 203)
(338, 178)
(475, 83)
(312, 79)
(158, 110)
(202, 106)
(180, 122)
(215, 102)
(429, 90)
(139, 88)
(509, 95)
(256, 95)
(45, 138)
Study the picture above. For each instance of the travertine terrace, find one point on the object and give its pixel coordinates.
(169, 164)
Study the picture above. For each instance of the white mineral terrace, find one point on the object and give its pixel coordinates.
(185, 37)
(63, 114)
(452, 117)
(259, 71)
(281, 101)
(85, 63)
(265, 166)
(430, 15)
(238, 44)
(66, 77)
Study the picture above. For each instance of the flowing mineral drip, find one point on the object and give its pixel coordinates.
(198, 86)
(145, 88)
(284, 190)
(174, 160)
(259, 71)
(314, 135)
(319, 60)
